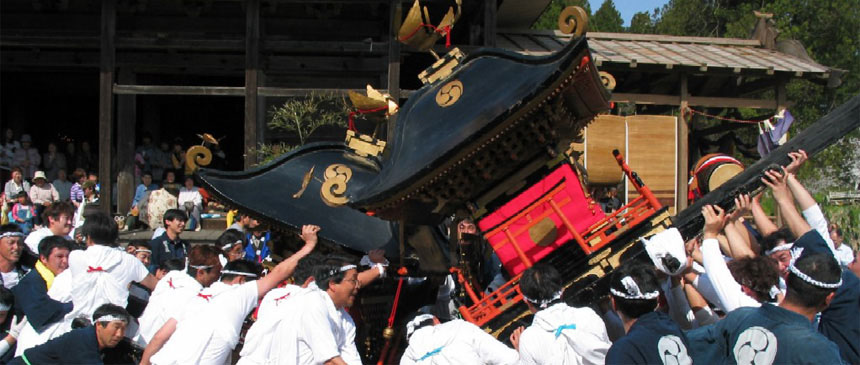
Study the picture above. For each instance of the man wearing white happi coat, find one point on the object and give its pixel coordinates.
(559, 334)
(208, 329)
(98, 275)
(453, 342)
(281, 306)
(176, 289)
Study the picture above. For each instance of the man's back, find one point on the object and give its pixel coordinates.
(456, 342)
(764, 335)
(562, 334)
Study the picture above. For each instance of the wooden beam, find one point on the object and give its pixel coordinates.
(265, 91)
(683, 148)
(703, 101)
(393, 82)
(106, 69)
(252, 64)
(126, 110)
(490, 23)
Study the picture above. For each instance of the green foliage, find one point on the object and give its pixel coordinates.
(549, 19)
(303, 115)
(641, 23)
(300, 117)
(606, 19)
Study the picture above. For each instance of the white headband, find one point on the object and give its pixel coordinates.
(5, 307)
(633, 291)
(229, 245)
(110, 318)
(779, 248)
(794, 270)
(11, 234)
(543, 303)
(201, 267)
(248, 274)
(410, 327)
(142, 250)
(342, 269)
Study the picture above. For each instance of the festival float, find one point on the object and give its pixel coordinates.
(488, 136)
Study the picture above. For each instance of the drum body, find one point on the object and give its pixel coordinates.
(711, 171)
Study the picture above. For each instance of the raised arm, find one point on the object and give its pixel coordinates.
(736, 232)
(288, 266)
(762, 222)
(376, 270)
(778, 184)
(728, 290)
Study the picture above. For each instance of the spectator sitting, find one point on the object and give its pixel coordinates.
(144, 186)
(169, 245)
(191, 201)
(63, 185)
(170, 183)
(15, 185)
(610, 201)
(76, 193)
(42, 194)
(23, 213)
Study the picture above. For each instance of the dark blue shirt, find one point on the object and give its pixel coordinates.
(765, 335)
(653, 339)
(840, 322)
(164, 249)
(77, 347)
(31, 299)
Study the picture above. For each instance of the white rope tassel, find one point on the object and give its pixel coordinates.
(794, 270)
(633, 291)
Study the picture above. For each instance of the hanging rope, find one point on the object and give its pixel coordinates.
(352, 115)
(694, 111)
(388, 334)
(446, 31)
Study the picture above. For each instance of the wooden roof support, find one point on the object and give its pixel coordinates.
(106, 75)
(252, 68)
(393, 75)
(682, 157)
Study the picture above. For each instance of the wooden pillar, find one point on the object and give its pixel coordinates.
(490, 23)
(252, 62)
(393, 82)
(683, 154)
(779, 91)
(106, 68)
(126, 115)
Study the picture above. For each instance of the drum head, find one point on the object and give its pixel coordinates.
(721, 174)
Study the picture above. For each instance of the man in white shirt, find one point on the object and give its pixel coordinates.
(59, 217)
(453, 342)
(11, 246)
(98, 275)
(191, 201)
(319, 331)
(177, 288)
(844, 253)
(559, 334)
(208, 333)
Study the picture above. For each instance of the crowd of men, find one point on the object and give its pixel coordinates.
(742, 292)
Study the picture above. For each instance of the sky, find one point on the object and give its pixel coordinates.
(629, 7)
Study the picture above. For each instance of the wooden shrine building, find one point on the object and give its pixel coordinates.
(114, 69)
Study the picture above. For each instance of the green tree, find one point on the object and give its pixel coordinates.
(549, 19)
(606, 19)
(641, 23)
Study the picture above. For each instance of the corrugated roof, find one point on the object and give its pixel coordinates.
(634, 50)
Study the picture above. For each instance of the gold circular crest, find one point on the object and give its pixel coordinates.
(449, 93)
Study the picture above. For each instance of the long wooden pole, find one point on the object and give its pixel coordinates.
(106, 75)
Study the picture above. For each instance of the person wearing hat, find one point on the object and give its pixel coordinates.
(452, 342)
(27, 157)
(42, 194)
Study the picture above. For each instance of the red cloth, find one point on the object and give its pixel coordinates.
(572, 201)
